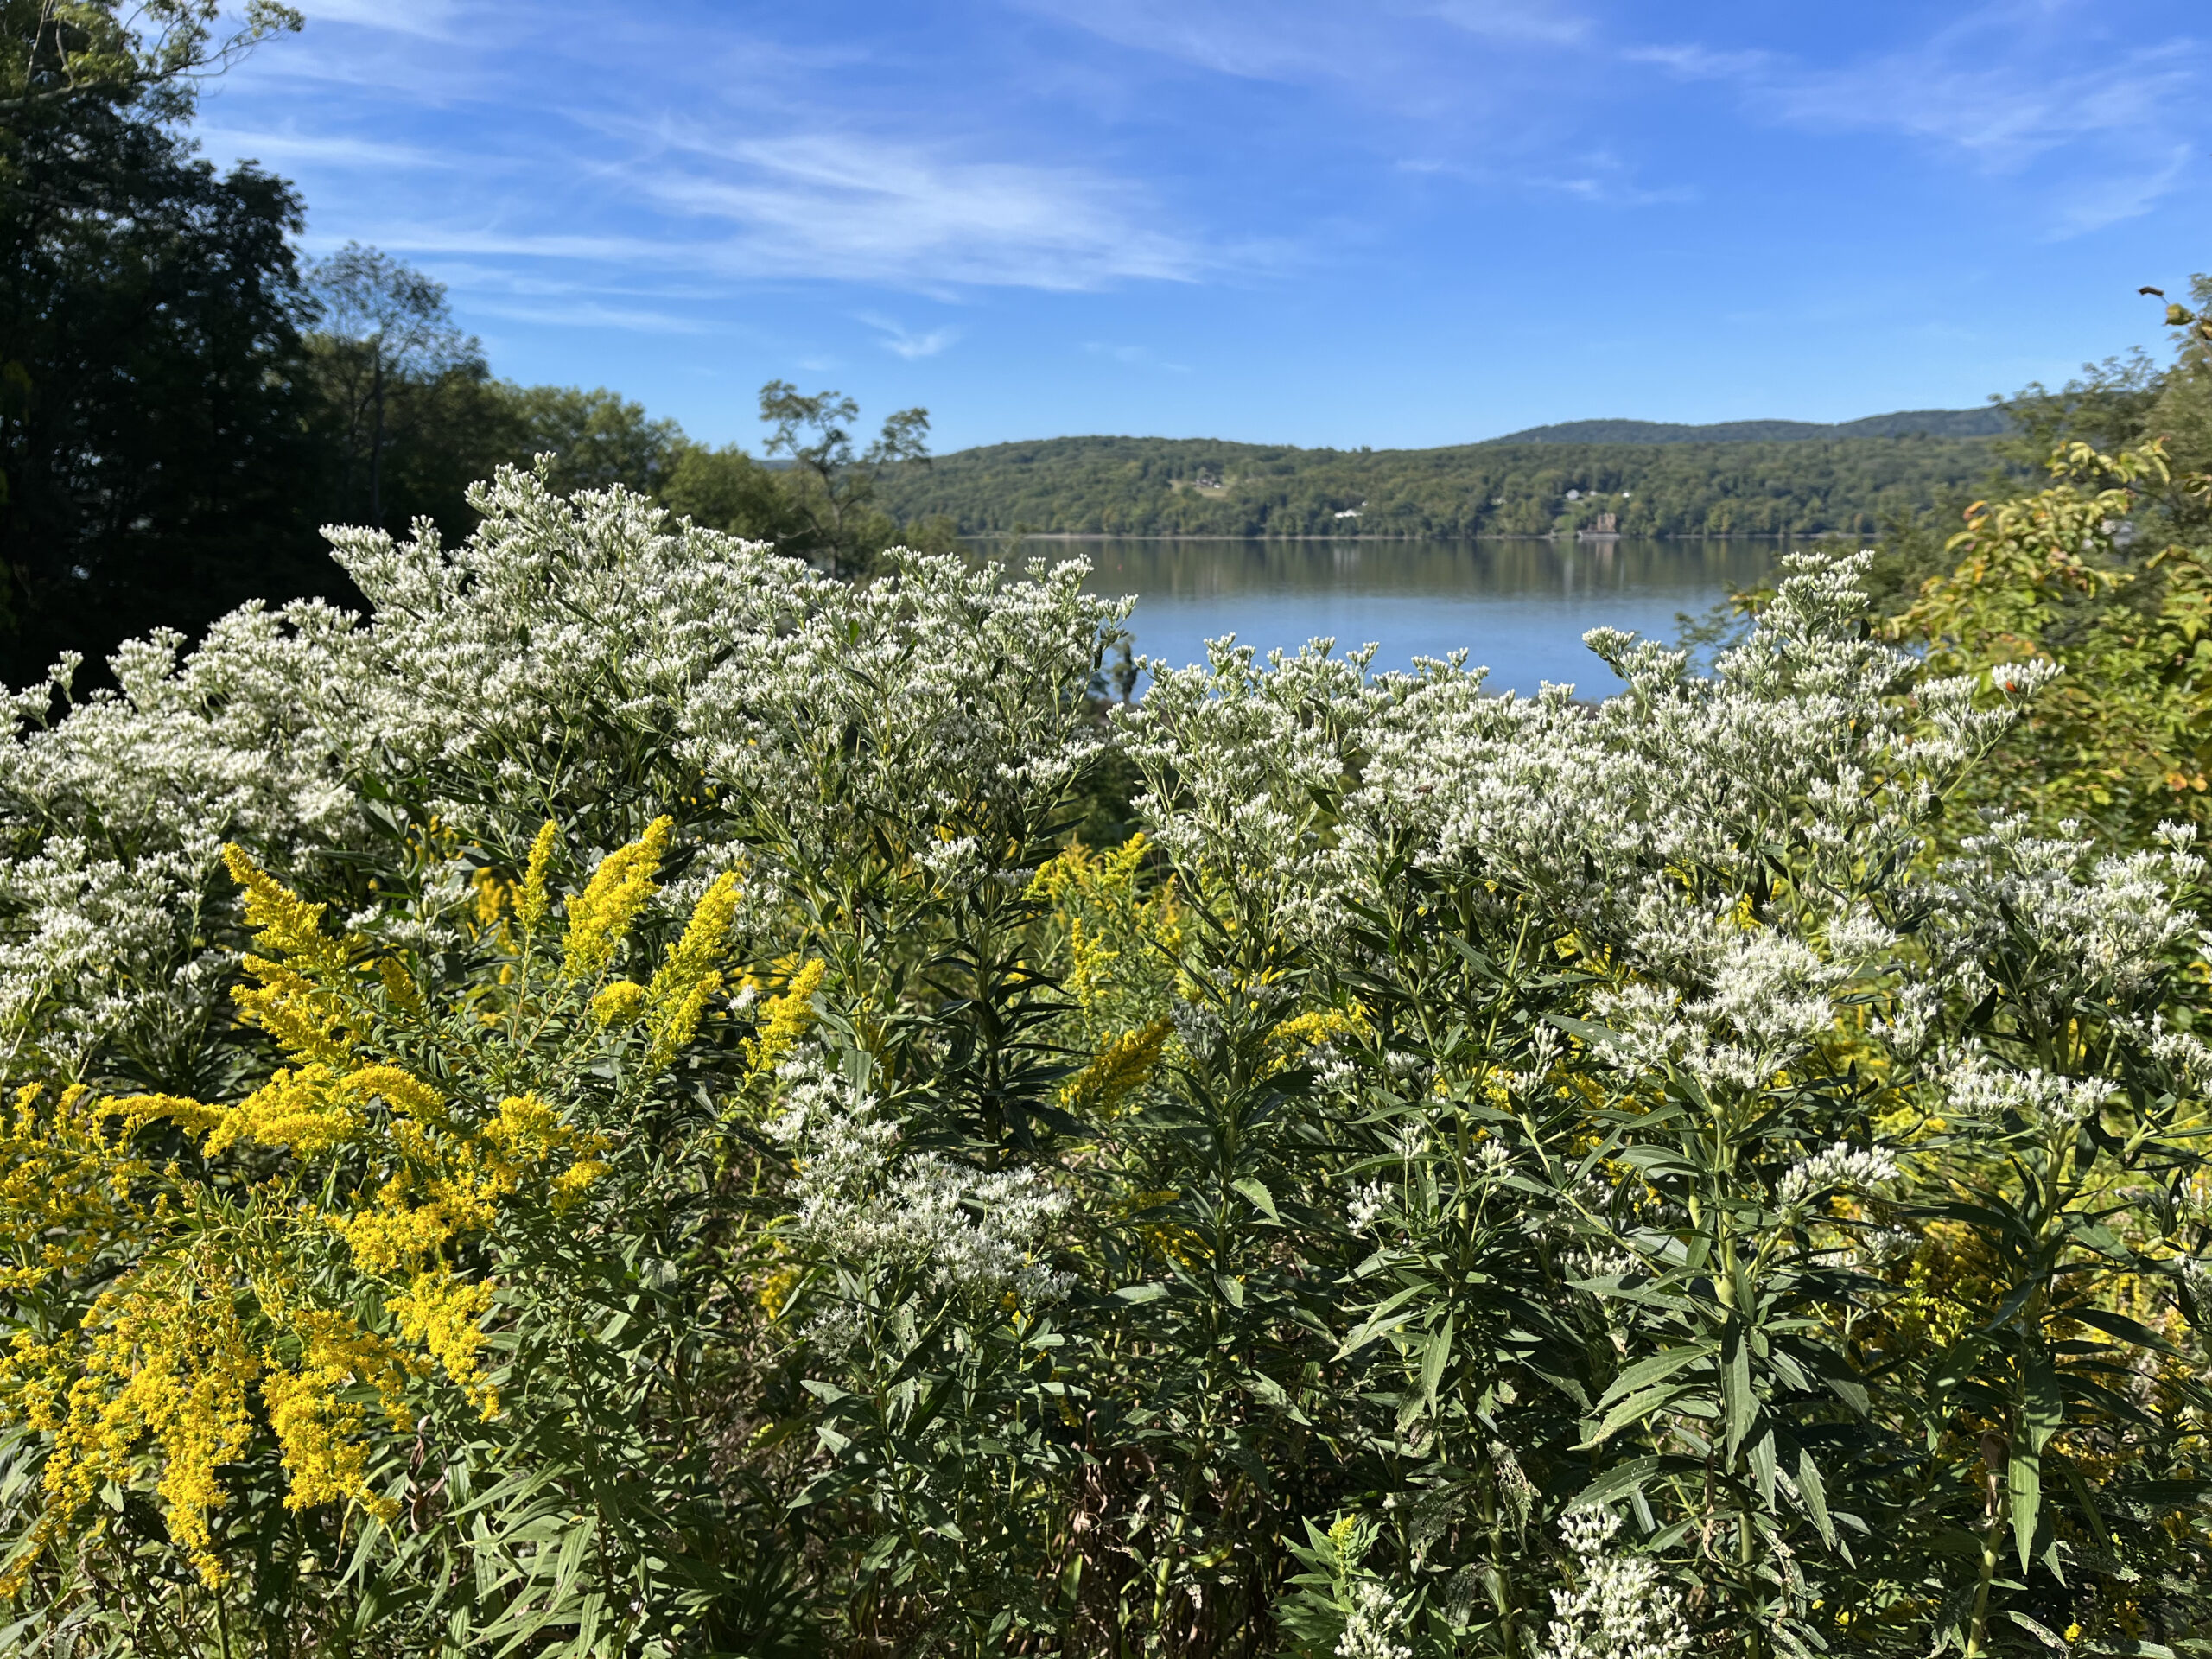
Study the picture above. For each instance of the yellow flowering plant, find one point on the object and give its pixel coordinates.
(326, 1270)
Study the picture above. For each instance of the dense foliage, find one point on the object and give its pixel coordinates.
(2105, 572)
(601, 1110)
(1152, 486)
(150, 416)
(182, 405)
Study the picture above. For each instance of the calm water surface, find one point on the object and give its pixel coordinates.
(1520, 607)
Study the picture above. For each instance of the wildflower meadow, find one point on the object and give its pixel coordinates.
(640, 1100)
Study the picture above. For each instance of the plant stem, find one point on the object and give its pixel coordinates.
(1978, 1627)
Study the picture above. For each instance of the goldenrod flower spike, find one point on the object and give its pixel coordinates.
(441, 1312)
(1118, 1071)
(692, 974)
(785, 1020)
(307, 1110)
(283, 922)
(321, 1434)
(619, 1004)
(601, 915)
(532, 907)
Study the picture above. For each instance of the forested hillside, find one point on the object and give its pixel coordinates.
(1196, 486)
(1990, 420)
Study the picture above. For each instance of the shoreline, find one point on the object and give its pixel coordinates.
(1126, 536)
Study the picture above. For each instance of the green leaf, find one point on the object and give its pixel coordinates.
(2118, 1324)
(1814, 1491)
(1633, 1409)
(1616, 1482)
(2043, 1405)
(1738, 1401)
(1263, 1200)
(1762, 1457)
(2046, 1637)
(1659, 1367)
(1435, 1358)
(1379, 1322)
(2023, 1487)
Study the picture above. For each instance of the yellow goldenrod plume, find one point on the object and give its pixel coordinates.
(601, 915)
(619, 1004)
(533, 904)
(283, 922)
(441, 1312)
(692, 974)
(167, 1360)
(298, 1001)
(785, 1020)
(322, 1434)
(1118, 1071)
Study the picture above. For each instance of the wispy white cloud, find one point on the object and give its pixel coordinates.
(855, 210)
(434, 20)
(1514, 19)
(1986, 86)
(1378, 44)
(1249, 38)
(2092, 204)
(863, 208)
(590, 314)
(290, 148)
(897, 341)
(1134, 357)
(2009, 86)
(402, 236)
(1598, 177)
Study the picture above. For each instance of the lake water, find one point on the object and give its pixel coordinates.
(1520, 607)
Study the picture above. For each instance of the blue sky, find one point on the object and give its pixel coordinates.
(1278, 220)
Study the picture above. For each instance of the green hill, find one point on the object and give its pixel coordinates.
(1985, 423)
(1845, 480)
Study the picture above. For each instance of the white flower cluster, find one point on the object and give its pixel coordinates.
(1544, 1045)
(942, 710)
(1978, 1089)
(1310, 780)
(573, 651)
(1618, 1607)
(1368, 1200)
(1838, 1168)
(113, 817)
(2098, 927)
(1373, 1624)
(859, 1197)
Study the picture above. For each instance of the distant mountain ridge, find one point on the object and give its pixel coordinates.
(1733, 479)
(1989, 422)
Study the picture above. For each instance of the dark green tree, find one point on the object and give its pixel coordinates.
(830, 487)
(153, 431)
(598, 438)
(390, 367)
(726, 489)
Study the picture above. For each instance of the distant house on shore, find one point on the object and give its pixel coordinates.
(1605, 527)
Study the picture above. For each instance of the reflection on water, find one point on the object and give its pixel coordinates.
(1520, 607)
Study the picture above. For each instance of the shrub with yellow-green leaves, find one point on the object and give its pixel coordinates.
(2123, 737)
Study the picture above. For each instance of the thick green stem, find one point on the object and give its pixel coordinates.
(1977, 1626)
